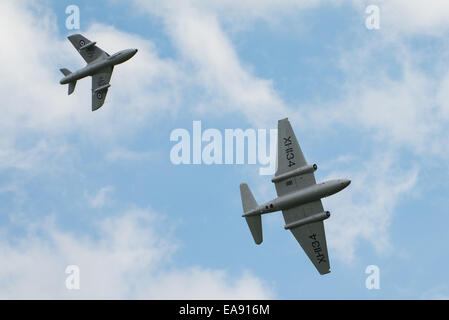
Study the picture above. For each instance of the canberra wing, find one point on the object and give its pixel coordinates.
(87, 49)
(100, 86)
(290, 157)
(311, 237)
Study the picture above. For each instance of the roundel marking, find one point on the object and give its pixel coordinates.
(99, 95)
(82, 43)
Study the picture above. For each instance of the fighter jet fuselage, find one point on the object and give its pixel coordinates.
(300, 197)
(101, 63)
(100, 66)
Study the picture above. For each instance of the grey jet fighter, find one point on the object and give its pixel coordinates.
(99, 66)
(299, 198)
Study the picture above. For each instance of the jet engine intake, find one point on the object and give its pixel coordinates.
(310, 219)
(296, 172)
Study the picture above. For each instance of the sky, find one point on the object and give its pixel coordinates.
(99, 190)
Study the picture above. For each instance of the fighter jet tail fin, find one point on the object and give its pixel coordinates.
(254, 221)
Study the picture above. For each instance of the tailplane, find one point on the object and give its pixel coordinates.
(254, 221)
(72, 86)
(66, 72)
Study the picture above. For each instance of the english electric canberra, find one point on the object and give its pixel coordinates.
(299, 198)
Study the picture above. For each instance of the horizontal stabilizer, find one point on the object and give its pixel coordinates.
(254, 221)
(72, 86)
(65, 71)
(255, 226)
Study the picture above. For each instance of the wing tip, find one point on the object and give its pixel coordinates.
(95, 108)
(74, 35)
(325, 272)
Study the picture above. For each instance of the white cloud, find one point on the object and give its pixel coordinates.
(99, 200)
(397, 16)
(367, 207)
(395, 112)
(130, 258)
(197, 34)
(25, 160)
(242, 10)
(415, 16)
(29, 96)
(400, 111)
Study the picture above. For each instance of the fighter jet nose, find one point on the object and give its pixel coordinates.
(344, 183)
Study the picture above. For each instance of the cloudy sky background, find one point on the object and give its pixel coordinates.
(98, 189)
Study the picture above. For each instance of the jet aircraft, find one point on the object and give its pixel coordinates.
(299, 198)
(99, 66)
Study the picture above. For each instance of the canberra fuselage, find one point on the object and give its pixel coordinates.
(302, 196)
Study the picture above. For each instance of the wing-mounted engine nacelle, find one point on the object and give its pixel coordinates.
(297, 172)
(310, 219)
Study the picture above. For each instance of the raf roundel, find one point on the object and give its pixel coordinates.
(82, 43)
(99, 95)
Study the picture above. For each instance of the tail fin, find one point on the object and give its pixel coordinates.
(254, 222)
(72, 85)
